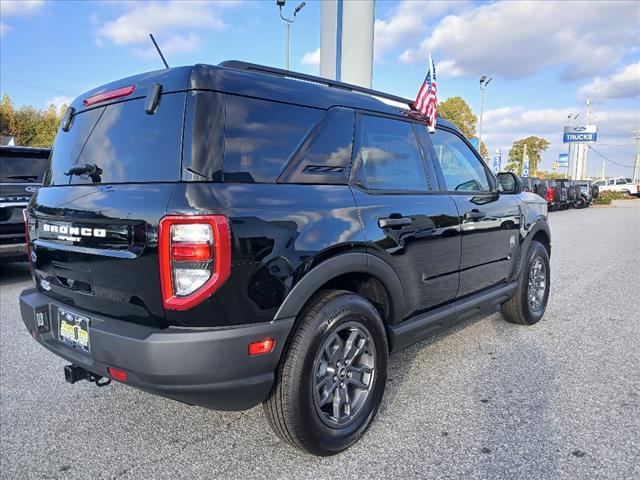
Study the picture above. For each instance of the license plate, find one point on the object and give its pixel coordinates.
(74, 329)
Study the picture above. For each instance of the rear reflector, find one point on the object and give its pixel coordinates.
(263, 346)
(116, 374)
(111, 95)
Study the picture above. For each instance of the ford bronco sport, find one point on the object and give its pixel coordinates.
(233, 235)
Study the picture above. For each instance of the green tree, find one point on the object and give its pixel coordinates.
(458, 112)
(535, 146)
(30, 126)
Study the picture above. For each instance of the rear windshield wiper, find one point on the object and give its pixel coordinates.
(92, 170)
(29, 178)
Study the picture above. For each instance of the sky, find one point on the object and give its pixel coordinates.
(545, 58)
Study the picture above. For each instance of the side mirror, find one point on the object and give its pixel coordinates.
(510, 183)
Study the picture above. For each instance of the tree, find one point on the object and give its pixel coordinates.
(535, 146)
(31, 127)
(458, 112)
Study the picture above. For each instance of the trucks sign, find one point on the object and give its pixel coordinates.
(581, 134)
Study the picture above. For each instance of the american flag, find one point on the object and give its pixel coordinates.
(427, 99)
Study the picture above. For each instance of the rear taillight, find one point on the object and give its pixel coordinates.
(195, 258)
(550, 194)
(110, 95)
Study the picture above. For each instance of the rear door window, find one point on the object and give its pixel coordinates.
(389, 157)
(261, 136)
(126, 143)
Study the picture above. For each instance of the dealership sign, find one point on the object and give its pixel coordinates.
(563, 160)
(582, 134)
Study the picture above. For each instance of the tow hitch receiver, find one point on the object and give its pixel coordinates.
(74, 373)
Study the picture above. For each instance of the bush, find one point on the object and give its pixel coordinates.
(606, 197)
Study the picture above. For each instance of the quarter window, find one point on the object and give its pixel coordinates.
(389, 156)
(461, 168)
(261, 136)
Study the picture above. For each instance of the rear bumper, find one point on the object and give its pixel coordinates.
(13, 252)
(205, 367)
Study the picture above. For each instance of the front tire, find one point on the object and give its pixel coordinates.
(528, 304)
(330, 384)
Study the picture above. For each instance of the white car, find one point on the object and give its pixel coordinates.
(619, 184)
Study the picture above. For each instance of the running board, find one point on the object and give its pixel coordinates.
(429, 323)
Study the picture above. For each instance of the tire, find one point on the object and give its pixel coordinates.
(518, 309)
(582, 201)
(293, 407)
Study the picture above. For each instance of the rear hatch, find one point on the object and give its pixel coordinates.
(93, 228)
(21, 171)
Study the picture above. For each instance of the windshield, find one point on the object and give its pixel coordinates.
(121, 143)
(21, 168)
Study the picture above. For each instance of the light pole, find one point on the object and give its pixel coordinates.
(288, 21)
(484, 81)
(572, 161)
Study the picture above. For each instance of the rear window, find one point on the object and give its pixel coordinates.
(125, 142)
(261, 136)
(19, 168)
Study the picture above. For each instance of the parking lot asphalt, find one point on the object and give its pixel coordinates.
(486, 399)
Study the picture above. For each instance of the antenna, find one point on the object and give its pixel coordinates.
(166, 65)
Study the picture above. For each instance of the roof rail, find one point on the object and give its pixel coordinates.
(254, 67)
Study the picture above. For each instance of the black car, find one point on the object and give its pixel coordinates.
(234, 235)
(572, 191)
(534, 185)
(21, 170)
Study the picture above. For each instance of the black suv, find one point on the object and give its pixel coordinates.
(21, 170)
(235, 235)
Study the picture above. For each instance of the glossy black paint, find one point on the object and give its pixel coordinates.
(280, 230)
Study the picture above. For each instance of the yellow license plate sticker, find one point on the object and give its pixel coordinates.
(74, 329)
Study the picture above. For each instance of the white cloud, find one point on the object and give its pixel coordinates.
(171, 45)
(311, 58)
(503, 126)
(517, 39)
(174, 21)
(23, 8)
(59, 101)
(408, 22)
(624, 83)
(19, 8)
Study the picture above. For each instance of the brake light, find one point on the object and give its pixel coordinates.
(110, 95)
(195, 258)
(550, 194)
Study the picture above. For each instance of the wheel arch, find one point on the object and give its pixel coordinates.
(340, 271)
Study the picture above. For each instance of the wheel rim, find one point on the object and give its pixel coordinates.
(537, 284)
(344, 370)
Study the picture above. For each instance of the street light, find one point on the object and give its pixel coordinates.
(484, 81)
(288, 21)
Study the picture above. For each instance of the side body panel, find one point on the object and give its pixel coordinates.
(278, 233)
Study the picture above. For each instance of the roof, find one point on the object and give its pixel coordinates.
(252, 80)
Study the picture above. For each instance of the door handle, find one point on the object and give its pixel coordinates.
(474, 214)
(393, 222)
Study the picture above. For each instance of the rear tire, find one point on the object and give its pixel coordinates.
(528, 304)
(338, 352)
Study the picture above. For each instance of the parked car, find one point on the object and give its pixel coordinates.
(557, 196)
(534, 185)
(619, 184)
(572, 191)
(21, 170)
(254, 235)
(587, 193)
